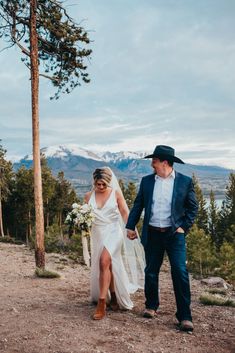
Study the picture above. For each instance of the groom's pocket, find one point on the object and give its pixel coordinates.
(179, 238)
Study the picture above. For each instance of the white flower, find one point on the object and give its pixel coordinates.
(85, 208)
(81, 216)
(75, 205)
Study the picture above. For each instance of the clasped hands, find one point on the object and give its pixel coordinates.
(131, 234)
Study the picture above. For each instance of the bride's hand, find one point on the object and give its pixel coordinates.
(131, 234)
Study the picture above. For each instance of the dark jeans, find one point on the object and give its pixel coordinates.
(174, 245)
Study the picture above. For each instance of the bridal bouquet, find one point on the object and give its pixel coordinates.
(81, 217)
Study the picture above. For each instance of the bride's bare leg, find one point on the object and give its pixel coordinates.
(105, 273)
(105, 278)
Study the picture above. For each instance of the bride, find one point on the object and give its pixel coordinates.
(117, 264)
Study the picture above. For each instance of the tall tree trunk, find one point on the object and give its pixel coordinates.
(1, 222)
(39, 243)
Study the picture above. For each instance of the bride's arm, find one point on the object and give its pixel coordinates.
(87, 197)
(122, 206)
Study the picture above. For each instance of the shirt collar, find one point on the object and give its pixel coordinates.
(172, 175)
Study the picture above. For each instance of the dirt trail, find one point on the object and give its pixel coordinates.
(54, 315)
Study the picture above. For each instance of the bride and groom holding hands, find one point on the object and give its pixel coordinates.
(119, 263)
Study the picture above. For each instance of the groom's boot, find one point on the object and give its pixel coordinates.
(113, 302)
(100, 310)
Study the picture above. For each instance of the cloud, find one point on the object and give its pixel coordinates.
(161, 72)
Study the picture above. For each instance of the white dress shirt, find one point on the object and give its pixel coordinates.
(161, 203)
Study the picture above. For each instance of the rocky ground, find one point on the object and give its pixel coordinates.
(54, 315)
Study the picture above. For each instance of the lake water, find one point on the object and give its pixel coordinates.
(218, 202)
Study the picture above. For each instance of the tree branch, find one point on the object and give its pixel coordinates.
(61, 8)
(7, 47)
(23, 49)
(52, 78)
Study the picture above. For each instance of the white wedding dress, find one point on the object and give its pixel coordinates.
(107, 233)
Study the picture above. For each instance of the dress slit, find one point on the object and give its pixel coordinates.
(105, 248)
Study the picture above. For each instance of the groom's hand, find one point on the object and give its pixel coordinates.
(131, 234)
(179, 230)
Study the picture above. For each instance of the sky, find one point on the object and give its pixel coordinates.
(162, 72)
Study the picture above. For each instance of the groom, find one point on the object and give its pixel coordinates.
(170, 207)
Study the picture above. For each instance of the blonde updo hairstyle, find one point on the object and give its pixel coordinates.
(103, 174)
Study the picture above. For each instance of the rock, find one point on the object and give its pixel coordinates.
(215, 282)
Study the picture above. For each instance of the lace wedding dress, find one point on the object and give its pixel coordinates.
(107, 233)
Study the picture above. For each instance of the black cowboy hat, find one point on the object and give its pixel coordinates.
(165, 152)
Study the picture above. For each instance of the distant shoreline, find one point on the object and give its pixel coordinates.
(219, 200)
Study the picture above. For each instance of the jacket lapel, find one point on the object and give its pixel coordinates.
(151, 187)
(175, 188)
(150, 195)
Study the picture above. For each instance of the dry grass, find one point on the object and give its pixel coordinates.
(210, 299)
(217, 291)
(42, 273)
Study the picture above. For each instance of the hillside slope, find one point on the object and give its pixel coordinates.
(54, 315)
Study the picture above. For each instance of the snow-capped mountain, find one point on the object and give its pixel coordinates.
(119, 156)
(78, 165)
(65, 151)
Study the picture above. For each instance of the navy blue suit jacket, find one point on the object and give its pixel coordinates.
(183, 208)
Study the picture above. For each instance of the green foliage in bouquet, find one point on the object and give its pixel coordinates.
(80, 218)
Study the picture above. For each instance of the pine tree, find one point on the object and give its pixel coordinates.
(230, 199)
(226, 260)
(226, 222)
(213, 214)
(5, 177)
(230, 235)
(64, 196)
(62, 42)
(130, 194)
(48, 189)
(122, 186)
(201, 252)
(46, 35)
(23, 203)
(202, 216)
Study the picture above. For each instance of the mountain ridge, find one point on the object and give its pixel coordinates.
(79, 163)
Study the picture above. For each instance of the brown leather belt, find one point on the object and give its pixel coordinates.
(158, 229)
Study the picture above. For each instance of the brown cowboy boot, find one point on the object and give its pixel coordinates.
(100, 310)
(113, 302)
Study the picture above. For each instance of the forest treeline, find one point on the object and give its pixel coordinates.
(210, 242)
